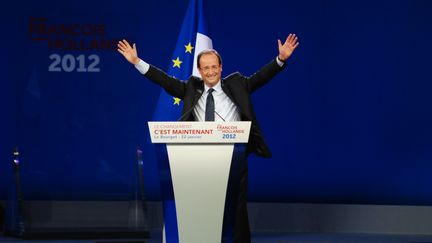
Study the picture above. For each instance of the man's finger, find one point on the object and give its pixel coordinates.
(127, 43)
(288, 38)
(279, 43)
(121, 45)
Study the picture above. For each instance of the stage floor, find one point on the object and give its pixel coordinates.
(265, 238)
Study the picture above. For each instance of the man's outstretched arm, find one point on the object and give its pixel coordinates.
(172, 85)
(265, 74)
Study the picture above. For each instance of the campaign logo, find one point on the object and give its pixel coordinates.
(85, 38)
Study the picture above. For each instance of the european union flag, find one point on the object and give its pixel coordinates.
(192, 40)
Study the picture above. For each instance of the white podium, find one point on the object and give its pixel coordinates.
(199, 157)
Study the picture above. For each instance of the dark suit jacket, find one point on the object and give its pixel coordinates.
(236, 86)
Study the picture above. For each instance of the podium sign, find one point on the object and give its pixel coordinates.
(199, 132)
(200, 155)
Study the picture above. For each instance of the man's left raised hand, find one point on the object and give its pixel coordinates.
(288, 47)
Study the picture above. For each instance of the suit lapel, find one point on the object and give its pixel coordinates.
(199, 90)
(227, 91)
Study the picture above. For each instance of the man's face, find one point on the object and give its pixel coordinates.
(210, 69)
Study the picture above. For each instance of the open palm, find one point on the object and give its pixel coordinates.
(128, 51)
(287, 48)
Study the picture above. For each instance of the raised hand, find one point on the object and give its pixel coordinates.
(130, 53)
(288, 47)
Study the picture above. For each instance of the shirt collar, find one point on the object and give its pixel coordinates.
(217, 87)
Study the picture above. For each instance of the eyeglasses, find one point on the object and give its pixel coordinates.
(210, 68)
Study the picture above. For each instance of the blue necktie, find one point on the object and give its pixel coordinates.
(210, 107)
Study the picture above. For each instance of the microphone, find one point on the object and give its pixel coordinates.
(186, 113)
(219, 115)
(197, 96)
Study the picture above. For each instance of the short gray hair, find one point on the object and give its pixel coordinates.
(208, 51)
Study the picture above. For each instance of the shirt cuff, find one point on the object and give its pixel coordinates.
(279, 62)
(142, 67)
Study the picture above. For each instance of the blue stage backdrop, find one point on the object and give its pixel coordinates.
(348, 121)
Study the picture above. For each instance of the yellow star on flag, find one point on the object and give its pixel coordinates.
(176, 101)
(189, 48)
(177, 62)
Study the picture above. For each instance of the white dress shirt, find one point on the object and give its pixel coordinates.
(225, 109)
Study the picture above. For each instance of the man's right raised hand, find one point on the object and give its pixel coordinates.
(130, 53)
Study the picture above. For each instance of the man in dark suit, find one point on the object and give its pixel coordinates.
(228, 98)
